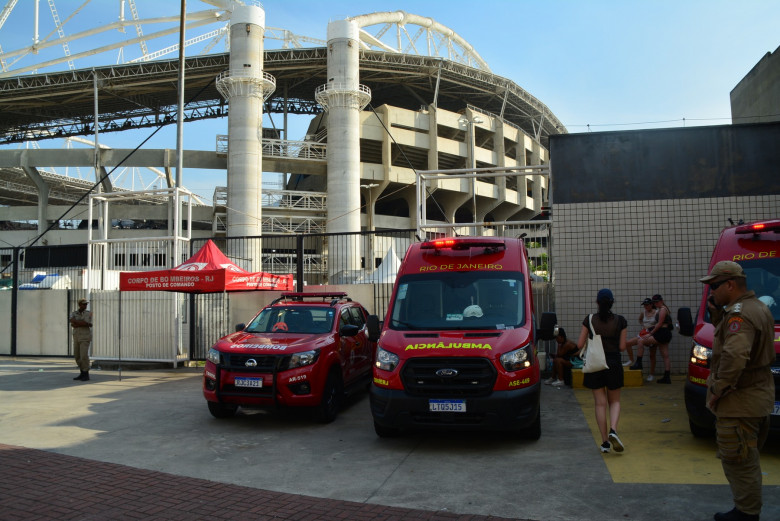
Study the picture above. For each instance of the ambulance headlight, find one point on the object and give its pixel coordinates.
(517, 359)
(386, 360)
(700, 355)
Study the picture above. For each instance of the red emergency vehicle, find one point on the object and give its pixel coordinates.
(756, 247)
(458, 344)
(303, 349)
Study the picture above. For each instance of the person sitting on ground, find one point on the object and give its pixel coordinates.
(561, 359)
(647, 321)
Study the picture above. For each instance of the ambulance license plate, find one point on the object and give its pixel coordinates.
(776, 412)
(447, 405)
(248, 382)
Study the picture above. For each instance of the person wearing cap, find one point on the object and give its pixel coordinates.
(81, 323)
(646, 320)
(606, 384)
(740, 387)
(661, 335)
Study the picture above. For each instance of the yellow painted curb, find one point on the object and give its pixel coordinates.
(659, 445)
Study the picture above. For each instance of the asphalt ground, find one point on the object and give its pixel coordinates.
(142, 445)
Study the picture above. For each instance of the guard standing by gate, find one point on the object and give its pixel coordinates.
(81, 322)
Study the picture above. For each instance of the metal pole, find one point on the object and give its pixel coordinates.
(299, 262)
(35, 24)
(97, 121)
(179, 167)
(15, 300)
(473, 165)
(180, 111)
(89, 247)
(119, 340)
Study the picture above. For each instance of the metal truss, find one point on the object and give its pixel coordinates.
(427, 37)
(293, 225)
(295, 200)
(115, 122)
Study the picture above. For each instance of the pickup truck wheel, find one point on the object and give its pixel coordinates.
(386, 432)
(222, 410)
(332, 395)
(533, 431)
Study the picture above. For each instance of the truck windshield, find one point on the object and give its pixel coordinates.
(459, 300)
(763, 277)
(293, 319)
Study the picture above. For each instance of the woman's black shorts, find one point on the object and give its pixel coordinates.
(611, 378)
(663, 335)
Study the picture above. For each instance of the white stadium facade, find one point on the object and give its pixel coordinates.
(378, 116)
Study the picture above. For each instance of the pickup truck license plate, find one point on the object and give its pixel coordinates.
(447, 405)
(776, 412)
(248, 382)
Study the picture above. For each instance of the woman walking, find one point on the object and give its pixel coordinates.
(606, 384)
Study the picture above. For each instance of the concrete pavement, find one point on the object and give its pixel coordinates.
(152, 429)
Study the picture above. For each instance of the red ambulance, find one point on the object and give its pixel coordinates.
(458, 344)
(756, 247)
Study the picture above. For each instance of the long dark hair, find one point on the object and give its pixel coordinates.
(605, 309)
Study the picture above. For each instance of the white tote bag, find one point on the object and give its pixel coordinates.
(595, 360)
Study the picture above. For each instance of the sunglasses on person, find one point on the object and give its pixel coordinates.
(716, 285)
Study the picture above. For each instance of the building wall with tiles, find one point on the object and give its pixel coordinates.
(609, 231)
(638, 249)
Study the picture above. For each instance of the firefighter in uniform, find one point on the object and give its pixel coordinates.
(81, 322)
(740, 388)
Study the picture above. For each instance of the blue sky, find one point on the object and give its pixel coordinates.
(597, 64)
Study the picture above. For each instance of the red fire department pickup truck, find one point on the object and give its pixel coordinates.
(756, 247)
(458, 344)
(303, 349)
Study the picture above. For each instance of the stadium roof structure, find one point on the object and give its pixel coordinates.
(61, 104)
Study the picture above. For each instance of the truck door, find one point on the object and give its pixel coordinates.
(363, 347)
(348, 346)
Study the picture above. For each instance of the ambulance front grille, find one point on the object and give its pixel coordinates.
(449, 377)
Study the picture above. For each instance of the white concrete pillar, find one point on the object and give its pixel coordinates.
(245, 86)
(343, 97)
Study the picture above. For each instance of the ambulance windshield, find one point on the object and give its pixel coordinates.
(459, 300)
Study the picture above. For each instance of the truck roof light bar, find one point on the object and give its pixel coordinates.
(461, 244)
(299, 296)
(759, 227)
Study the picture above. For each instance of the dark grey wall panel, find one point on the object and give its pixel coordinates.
(678, 163)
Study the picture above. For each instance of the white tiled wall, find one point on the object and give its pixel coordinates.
(640, 248)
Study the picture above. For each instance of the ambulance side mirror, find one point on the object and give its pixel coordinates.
(374, 327)
(685, 321)
(548, 326)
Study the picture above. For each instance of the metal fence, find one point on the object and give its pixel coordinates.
(138, 325)
(311, 258)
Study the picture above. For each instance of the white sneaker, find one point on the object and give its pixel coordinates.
(627, 363)
(548, 381)
(650, 378)
(615, 442)
(557, 383)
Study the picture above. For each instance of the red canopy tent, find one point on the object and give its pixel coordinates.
(208, 271)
